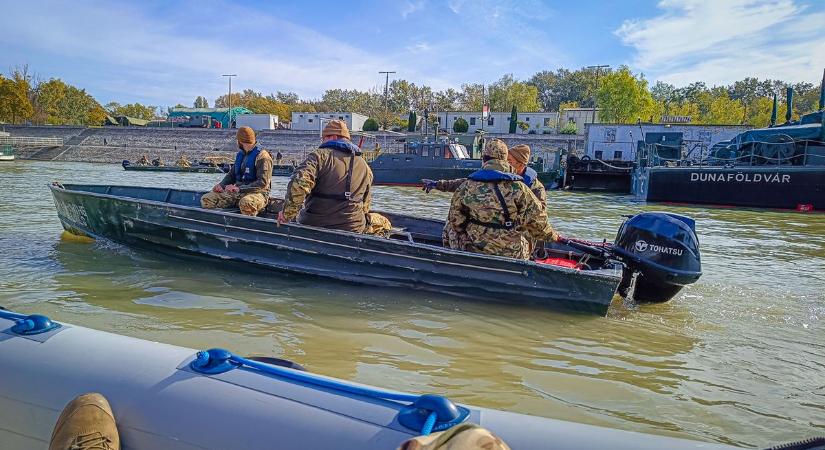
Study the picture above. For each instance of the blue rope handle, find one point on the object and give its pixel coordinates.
(5, 314)
(429, 424)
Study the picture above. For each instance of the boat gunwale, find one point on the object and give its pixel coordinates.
(605, 274)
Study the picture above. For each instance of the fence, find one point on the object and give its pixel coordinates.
(31, 141)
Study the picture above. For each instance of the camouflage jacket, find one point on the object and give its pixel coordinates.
(475, 205)
(452, 185)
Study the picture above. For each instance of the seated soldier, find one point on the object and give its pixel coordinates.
(331, 188)
(143, 161)
(247, 185)
(493, 211)
(182, 162)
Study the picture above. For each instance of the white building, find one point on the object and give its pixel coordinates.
(499, 122)
(578, 116)
(315, 121)
(257, 121)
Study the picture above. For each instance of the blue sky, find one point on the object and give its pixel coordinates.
(163, 53)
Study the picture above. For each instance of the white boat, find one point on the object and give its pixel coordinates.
(175, 398)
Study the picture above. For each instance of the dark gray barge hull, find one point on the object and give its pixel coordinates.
(800, 188)
(170, 220)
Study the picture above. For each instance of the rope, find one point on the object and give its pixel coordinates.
(429, 424)
(612, 166)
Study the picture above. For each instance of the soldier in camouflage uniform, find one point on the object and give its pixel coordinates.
(332, 187)
(494, 210)
(247, 185)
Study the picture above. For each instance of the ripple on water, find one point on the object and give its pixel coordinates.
(735, 358)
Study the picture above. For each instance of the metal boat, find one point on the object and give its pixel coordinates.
(444, 161)
(197, 167)
(780, 166)
(172, 220)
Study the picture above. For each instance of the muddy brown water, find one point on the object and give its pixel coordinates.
(737, 358)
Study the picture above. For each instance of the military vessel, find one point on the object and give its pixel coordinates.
(781, 166)
(447, 160)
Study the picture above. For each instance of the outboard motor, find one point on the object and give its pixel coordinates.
(662, 251)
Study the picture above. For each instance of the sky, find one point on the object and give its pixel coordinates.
(168, 52)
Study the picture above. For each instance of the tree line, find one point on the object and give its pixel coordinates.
(621, 95)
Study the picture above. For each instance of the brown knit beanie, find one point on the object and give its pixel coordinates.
(336, 127)
(496, 149)
(246, 135)
(520, 153)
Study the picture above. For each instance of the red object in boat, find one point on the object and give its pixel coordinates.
(804, 207)
(563, 262)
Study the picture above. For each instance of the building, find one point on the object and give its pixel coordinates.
(499, 122)
(315, 121)
(206, 117)
(578, 116)
(618, 142)
(257, 121)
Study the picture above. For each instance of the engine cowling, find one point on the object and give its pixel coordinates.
(662, 251)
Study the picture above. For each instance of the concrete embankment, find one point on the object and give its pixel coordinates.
(114, 144)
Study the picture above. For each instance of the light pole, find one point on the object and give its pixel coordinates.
(386, 93)
(596, 68)
(229, 112)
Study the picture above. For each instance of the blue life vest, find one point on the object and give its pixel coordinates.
(246, 173)
(342, 145)
(529, 176)
(492, 176)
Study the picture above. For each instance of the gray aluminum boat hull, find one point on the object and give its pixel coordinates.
(170, 220)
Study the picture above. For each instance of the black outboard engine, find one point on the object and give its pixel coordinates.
(662, 251)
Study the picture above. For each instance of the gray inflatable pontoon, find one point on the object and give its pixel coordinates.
(175, 398)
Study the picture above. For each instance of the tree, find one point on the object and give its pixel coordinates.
(718, 109)
(460, 125)
(370, 125)
(569, 128)
(96, 115)
(48, 95)
(554, 88)
(471, 97)
(513, 120)
(509, 91)
(623, 97)
(411, 122)
(15, 104)
(201, 102)
(524, 126)
(137, 111)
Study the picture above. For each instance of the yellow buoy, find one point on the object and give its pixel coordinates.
(71, 237)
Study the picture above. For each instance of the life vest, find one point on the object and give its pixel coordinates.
(346, 196)
(246, 173)
(529, 176)
(495, 177)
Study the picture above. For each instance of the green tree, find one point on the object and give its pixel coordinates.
(563, 85)
(137, 111)
(15, 104)
(412, 120)
(509, 91)
(460, 125)
(718, 109)
(370, 125)
(48, 94)
(523, 126)
(513, 120)
(471, 97)
(623, 97)
(201, 102)
(569, 128)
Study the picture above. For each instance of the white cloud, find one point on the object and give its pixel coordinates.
(722, 41)
(411, 7)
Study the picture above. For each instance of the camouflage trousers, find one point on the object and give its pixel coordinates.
(378, 225)
(490, 242)
(249, 204)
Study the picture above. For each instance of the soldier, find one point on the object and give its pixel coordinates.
(518, 157)
(331, 188)
(247, 184)
(144, 161)
(182, 162)
(493, 210)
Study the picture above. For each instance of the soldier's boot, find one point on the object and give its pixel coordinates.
(86, 423)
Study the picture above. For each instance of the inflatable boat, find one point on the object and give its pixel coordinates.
(656, 253)
(175, 398)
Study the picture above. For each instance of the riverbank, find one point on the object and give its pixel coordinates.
(114, 144)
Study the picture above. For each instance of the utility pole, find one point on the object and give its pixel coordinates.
(596, 68)
(482, 109)
(229, 112)
(386, 93)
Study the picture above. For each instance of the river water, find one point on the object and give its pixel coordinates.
(737, 358)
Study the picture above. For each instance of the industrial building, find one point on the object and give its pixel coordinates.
(315, 121)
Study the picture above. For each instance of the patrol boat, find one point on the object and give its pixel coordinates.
(781, 166)
(445, 161)
(175, 398)
(654, 255)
